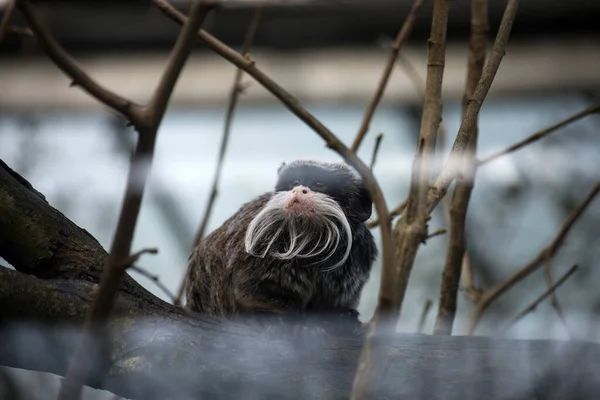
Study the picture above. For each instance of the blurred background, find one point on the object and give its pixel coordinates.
(330, 55)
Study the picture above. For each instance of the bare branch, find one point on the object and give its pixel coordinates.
(6, 16)
(376, 150)
(541, 134)
(411, 230)
(445, 178)
(424, 314)
(547, 253)
(94, 338)
(155, 279)
(403, 34)
(236, 90)
(437, 232)
(398, 210)
(69, 66)
(464, 186)
(127, 262)
(543, 297)
(554, 300)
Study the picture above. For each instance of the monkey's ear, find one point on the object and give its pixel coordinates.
(280, 167)
(365, 204)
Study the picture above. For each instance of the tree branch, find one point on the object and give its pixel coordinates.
(551, 290)
(411, 230)
(94, 339)
(445, 178)
(131, 111)
(158, 351)
(541, 134)
(402, 36)
(234, 94)
(547, 253)
(6, 16)
(464, 185)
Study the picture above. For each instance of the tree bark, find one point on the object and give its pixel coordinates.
(158, 351)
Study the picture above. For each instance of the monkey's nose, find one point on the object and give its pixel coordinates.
(300, 190)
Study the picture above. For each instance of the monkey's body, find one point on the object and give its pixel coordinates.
(224, 278)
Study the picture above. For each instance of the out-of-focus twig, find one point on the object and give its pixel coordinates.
(551, 290)
(376, 150)
(547, 253)
(437, 232)
(457, 211)
(398, 210)
(554, 298)
(403, 34)
(424, 314)
(594, 109)
(6, 16)
(146, 120)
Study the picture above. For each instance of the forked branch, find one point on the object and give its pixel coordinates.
(547, 253)
(462, 192)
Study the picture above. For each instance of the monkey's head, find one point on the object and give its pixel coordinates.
(311, 214)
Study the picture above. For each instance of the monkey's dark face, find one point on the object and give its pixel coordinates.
(309, 214)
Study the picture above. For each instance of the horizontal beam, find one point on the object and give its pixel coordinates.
(331, 75)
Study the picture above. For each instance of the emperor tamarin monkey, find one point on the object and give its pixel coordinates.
(303, 247)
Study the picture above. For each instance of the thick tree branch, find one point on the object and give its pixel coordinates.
(158, 351)
(402, 36)
(547, 253)
(158, 354)
(462, 192)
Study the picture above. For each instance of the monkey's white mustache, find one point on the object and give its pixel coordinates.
(308, 236)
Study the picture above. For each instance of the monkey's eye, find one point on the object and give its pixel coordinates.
(295, 183)
(318, 186)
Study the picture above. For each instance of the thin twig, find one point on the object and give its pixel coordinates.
(411, 230)
(155, 279)
(541, 134)
(449, 171)
(234, 94)
(554, 298)
(424, 314)
(457, 211)
(376, 150)
(6, 16)
(147, 121)
(437, 232)
(296, 108)
(21, 31)
(398, 210)
(403, 34)
(236, 89)
(551, 290)
(547, 253)
(128, 261)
